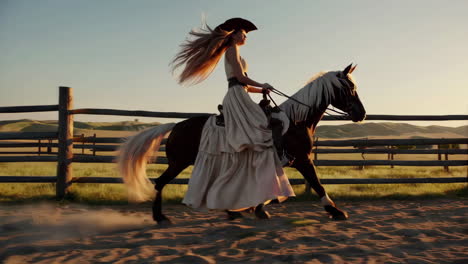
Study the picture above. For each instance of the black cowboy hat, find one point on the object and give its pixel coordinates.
(237, 23)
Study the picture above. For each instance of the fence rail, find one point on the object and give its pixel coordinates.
(96, 111)
(26, 144)
(53, 179)
(392, 151)
(163, 160)
(28, 159)
(390, 142)
(27, 135)
(99, 111)
(65, 158)
(114, 147)
(108, 140)
(27, 109)
(139, 113)
(412, 117)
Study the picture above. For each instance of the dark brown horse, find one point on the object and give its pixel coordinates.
(304, 111)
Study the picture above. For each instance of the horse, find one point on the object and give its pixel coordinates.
(304, 109)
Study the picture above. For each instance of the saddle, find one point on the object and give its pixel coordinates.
(266, 107)
(275, 124)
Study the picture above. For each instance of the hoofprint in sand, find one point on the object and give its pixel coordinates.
(383, 231)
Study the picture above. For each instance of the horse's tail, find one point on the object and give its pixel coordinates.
(132, 159)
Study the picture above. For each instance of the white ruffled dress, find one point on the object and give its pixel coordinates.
(237, 166)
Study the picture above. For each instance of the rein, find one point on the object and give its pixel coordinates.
(278, 92)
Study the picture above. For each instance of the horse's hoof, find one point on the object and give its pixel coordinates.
(262, 214)
(335, 213)
(274, 201)
(164, 223)
(249, 210)
(234, 215)
(162, 220)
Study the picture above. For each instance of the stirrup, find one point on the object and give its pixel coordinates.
(220, 117)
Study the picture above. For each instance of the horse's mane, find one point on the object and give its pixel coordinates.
(317, 90)
(315, 76)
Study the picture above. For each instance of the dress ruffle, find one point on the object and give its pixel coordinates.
(237, 166)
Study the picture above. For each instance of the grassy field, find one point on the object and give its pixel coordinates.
(116, 193)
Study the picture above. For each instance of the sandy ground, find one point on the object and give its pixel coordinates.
(425, 231)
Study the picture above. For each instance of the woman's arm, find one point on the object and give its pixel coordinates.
(252, 89)
(232, 55)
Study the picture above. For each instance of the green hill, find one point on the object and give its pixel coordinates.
(387, 129)
(351, 130)
(26, 125)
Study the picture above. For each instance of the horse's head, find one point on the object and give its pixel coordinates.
(346, 97)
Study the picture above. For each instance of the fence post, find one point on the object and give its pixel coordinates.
(65, 142)
(94, 144)
(392, 156)
(389, 154)
(361, 167)
(82, 144)
(49, 148)
(439, 156)
(446, 168)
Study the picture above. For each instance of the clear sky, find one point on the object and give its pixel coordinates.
(412, 55)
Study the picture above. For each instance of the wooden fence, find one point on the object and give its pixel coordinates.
(65, 142)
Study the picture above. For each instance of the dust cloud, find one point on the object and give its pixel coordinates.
(50, 221)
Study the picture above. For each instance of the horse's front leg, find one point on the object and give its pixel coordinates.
(307, 169)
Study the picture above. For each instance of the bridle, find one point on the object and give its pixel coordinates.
(342, 115)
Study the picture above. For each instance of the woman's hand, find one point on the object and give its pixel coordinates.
(267, 86)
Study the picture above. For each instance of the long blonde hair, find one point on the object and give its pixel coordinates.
(201, 54)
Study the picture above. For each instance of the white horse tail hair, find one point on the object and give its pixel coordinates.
(133, 157)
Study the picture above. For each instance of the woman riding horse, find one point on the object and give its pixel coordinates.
(236, 166)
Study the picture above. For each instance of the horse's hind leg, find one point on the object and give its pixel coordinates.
(260, 213)
(171, 172)
(232, 215)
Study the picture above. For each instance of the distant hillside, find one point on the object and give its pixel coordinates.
(26, 125)
(388, 129)
(353, 130)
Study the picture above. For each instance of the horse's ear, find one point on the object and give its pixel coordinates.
(353, 68)
(348, 69)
